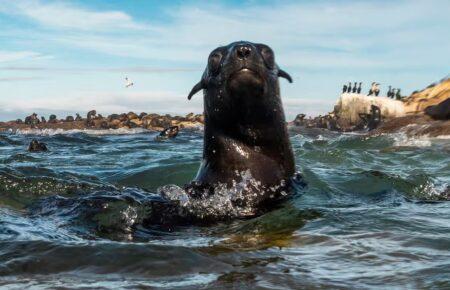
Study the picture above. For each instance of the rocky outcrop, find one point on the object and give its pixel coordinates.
(431, 95)
(415, 125)
(115, 121)
(350, 107)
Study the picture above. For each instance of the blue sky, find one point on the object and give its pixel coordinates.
(72, 56)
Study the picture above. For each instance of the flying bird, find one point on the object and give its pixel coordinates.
(128, 83)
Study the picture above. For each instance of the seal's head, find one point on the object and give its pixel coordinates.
(240, 85)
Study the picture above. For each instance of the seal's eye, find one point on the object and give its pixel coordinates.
(268, 56)
(214, 62)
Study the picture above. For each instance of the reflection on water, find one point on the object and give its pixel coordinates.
(374, 214)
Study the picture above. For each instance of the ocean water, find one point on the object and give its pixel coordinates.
(373, 215)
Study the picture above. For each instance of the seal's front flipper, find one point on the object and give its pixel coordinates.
(283, 74)
(198, 87)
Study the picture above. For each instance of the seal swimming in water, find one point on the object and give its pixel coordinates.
(170, 132)
(246, 140)
(36, 146)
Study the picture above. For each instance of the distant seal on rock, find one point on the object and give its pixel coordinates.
(52, 119)
(245, 135)
(36, 146)
(91, 114)
(440, 111)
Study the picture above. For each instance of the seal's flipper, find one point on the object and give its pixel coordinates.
(198, 87)
(283, 74)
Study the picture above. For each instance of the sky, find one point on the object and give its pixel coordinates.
(65, 57)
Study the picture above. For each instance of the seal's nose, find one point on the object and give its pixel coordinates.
(243, 51)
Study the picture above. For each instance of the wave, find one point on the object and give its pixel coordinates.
(403, 140)
(52, 132)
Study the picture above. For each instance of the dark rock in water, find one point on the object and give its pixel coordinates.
(69, 119)
(43, 120)
(36, 146)
(78, 118)
(19, 121)
(440, 111)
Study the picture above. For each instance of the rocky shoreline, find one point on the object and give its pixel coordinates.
(425, 112)
(93, 121)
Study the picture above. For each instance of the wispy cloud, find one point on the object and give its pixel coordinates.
(141, 69)
(11, 56)
(20, 79)
(62, 15)
(105, 102)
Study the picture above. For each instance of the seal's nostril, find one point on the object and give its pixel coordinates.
(243, 51)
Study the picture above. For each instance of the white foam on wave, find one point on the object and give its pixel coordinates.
(403, 140)
(52, 132)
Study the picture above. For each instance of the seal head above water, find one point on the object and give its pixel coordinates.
(246, 143)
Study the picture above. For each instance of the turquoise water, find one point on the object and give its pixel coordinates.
(374, 215)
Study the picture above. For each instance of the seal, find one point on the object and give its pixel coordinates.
(170, 132)
(440, 111)
(245, 135)
(36, 146)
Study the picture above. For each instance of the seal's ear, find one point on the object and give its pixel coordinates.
(198, 87)
(283, 74)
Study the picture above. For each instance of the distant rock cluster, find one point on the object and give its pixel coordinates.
(113, 121)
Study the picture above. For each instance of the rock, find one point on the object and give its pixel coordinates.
(104, 125)
(137, 122)
(78, 118)
(142, 115)
(115, 124)
(69, 119)
(113, 117)
(132, 115)
(161, 122)
(200, 118)
(440, 111)
(431, 95)
(190, 117)
(350, 106)
(19, 121)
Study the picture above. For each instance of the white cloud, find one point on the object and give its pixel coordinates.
(66, 16)
(10, 56)
(106, 102)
